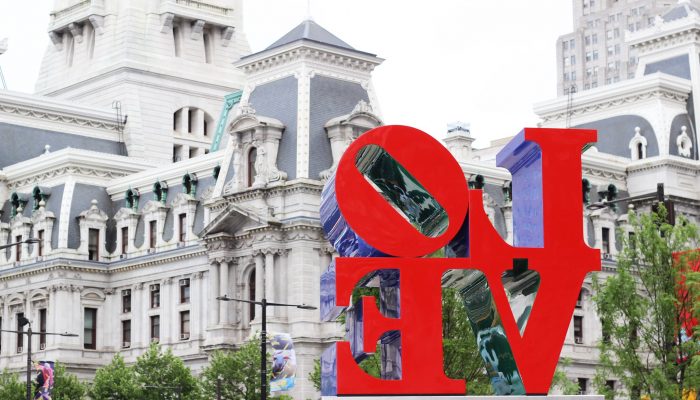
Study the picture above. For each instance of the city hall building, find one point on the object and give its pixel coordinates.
(152, 189)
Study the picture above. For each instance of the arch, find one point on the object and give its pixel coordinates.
(93, 294)
(250, 166)
(15, 299)
(193, 120)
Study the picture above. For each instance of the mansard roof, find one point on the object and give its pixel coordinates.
(682, 10)
(310, 30)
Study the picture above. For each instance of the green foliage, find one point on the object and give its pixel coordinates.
(239, 372)
(164, 376)
(561, 382)
(115, 381)
(11, 388)
(67, 386)
(460, 351)
(641, 310)
(315, 375)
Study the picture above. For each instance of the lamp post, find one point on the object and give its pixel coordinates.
(263, 334)
(22, 322)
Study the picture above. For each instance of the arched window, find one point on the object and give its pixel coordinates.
(252, 156)
(251, 294)
(638, 145)
(37, 197)
(193, 121)
(216, 171)
(640, 151)
(132, 199)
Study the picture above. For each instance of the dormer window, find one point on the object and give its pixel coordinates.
(189, 184)
(638, 145)
(160, 192)
(38, 195)
(132, 199)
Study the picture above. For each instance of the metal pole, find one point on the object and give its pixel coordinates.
(29, 362)
(263, 352)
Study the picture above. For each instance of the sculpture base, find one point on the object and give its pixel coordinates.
(552, 397)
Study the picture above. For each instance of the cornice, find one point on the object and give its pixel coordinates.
(309, 51)
(675, 162)
(72, 162)
(657, 86)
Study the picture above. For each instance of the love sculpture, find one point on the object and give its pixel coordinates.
(400, 214)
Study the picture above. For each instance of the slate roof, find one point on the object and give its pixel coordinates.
(310, 31)
(682, 10)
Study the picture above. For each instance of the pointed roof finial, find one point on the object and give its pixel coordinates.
(308, 11)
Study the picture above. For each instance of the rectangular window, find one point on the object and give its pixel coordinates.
(609, 34)
(20, 336)
(589, 56)
(90, 329)
(572, 44)
(42, 328)
(184, 290)
(573, 60)
(155, 328)
(573, 75)
(616, 32)
(630, 27)
(18, 248)
(578, 329)
(566, 76)
(565, 45)
(184, 325)
(94, 244)
(125, 239)
(126, 301)
(594, 84)
(589, 72)
(617, 49)
(587, 40)
(190, 119)
(182, 224)
(152, 234)
(582, 385)
(567, 61)
(606, 241)
(611, 51)
(650, 21)
(579, 299)
(594, 38)
(40, 244)
(126, 333)
(155, 296)
(595, 55)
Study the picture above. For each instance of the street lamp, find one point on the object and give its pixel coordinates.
(22, 322)
(29, 241)
(263, 339)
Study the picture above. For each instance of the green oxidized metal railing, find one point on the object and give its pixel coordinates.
(230, 100)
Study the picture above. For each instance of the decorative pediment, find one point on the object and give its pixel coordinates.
(41, 215)
(234, 219)
(92, 294)
(125, 213)
(94, 214)
(182, 200)
(154, 206)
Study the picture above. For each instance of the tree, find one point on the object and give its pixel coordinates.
(115, 381)
(164, 376)
(238, 371)
(66, 385)
(642, 310)
(11, 388)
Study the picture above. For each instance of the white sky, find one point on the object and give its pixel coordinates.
(480, 61)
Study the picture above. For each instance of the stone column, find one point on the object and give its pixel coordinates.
(508, 216)
(196, 300)
(182, 120)
(282, 285)
(213, 278)
(270, 280)
(198, 122)
(223, 289)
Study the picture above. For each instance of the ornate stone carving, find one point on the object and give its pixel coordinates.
(684, 143)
